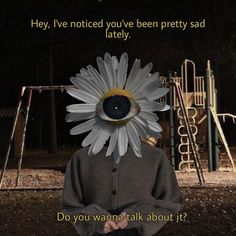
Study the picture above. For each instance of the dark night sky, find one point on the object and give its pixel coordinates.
(24, 51)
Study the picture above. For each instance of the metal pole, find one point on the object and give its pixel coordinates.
(216, 139)
(12, 135)
(172, 131)
(216, 149)
(41, 88)
(208, 111)
(23, 137)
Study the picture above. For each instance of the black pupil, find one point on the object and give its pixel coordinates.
(116, 107)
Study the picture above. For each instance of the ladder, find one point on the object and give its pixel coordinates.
(184, 146)
(222, 136)
(193, 146)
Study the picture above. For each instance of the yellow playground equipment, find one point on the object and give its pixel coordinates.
(195, 103)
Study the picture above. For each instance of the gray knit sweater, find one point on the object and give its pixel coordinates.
(95, 185)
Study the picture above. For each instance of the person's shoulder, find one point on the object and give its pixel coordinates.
(81, 153)
(153, 152)
(151, 149)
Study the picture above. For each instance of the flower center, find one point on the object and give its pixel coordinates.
(116, 107)
(117, 91)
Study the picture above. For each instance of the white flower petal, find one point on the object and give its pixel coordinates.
(101, 140)
(84, 127)
(112, 142)
(150, 86)
(145, 124)
(134, 140)
(115, 62)
(107, 58)
(97, 79)
(81, 108)
(116, 156)
(141, 121)
(165, 108)
(100, 129)
(148, 116)
(133, 73)
(111, 71)
(160, 92)
(82, 95)
(72, 117)
(122, 140)
(104, 73)
(87, 85)
(122, 70)
(147, 80)
(84, 72)
(149, 126)
(154, 126)
(151, 82)
(90, 151)
(91, 137)
(152, 106)
(140, 128)
(141, 77)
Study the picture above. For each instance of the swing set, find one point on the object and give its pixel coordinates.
(192, 103)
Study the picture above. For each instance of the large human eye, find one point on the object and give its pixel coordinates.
(117, 108)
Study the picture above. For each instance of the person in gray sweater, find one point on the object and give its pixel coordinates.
(127, 188)
(139, 187)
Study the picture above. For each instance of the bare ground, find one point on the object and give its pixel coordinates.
(31, 208)
(210, 211)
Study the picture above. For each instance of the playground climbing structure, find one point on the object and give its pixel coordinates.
(200, 102)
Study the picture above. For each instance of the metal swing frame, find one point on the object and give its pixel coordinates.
(25, 91)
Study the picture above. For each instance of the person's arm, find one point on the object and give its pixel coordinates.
(72, 203)
(167, 199)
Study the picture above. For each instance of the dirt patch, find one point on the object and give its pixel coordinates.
(41, 170)
(210, 211)
(32, 208)
(53, 179)
(34, 179)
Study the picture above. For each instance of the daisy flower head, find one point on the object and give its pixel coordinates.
(118, 106)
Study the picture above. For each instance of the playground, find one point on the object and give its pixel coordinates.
(190, 43)
(31, 183)
(193, 136)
